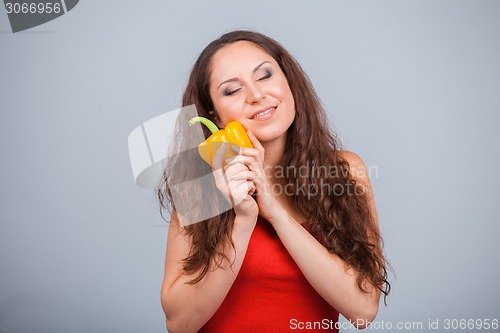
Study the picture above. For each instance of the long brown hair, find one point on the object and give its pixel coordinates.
(340, 219)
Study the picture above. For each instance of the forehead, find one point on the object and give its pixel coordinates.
(236, 58)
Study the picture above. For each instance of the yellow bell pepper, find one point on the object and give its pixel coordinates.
(233, 133)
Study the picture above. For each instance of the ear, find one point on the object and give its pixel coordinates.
(219, 123)
(215, 118)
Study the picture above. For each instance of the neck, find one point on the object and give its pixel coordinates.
(274, 153)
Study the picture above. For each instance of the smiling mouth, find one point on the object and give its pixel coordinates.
(263, 113)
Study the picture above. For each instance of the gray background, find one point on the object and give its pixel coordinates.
(413, 87)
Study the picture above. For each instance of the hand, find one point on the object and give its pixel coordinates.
(233, 181)
(253, 160)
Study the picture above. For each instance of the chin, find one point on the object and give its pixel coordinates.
(268, 136)
(273, 129)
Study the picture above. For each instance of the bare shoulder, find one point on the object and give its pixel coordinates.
(351, 157)
(357, 167)
(359, 172)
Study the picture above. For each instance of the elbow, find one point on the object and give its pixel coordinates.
(177, 326)
(169, 326)
(363, 318)
(172, 327)
(170, 323)
(176, 322)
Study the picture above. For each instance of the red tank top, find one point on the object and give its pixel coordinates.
(270, 293)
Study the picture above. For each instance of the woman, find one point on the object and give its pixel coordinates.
(301, 242)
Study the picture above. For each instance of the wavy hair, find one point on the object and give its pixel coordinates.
(341, 221)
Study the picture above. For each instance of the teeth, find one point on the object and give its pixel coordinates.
(263, 113)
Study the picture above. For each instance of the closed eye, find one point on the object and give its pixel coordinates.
(266, 76)
(231, 92)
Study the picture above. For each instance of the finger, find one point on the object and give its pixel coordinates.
(249, 152)
(235, 148)
(256, 143)
(252, 192)
(234, 168)
(248, 163)
(244, 189)
(239, 159)
(239, 191)
(218, 157)
(245, 151)
(257, 180)
(252, 152)
(217, 169)
(251, 188)
(243, 175)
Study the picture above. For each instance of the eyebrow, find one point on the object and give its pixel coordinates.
(236, 79)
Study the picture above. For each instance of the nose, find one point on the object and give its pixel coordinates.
(254, 94)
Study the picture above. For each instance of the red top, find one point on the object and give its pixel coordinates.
(270, 293)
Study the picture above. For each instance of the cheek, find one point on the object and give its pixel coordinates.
(224, 107)
(283, 90)
(286, 95)
(227, 109)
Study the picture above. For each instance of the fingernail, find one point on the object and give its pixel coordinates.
(236, 148)
(229, 159)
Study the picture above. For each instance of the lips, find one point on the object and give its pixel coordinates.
(262, 113)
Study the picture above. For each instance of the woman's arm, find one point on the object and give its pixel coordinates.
(188, 307)
(325, 271)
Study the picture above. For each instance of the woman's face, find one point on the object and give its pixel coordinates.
(247, 85)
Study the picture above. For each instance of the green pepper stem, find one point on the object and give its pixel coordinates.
(207, 122)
